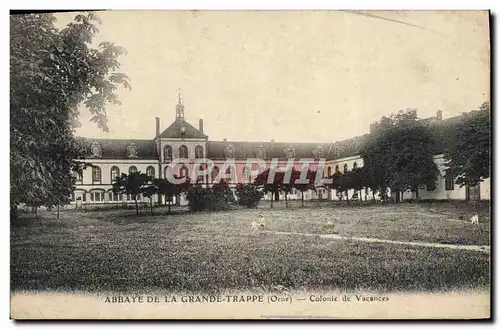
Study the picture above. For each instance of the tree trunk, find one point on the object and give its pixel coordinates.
(169, 205)
(302, 197)
(373, 195)
(36, 213)
(58, 212)
(13, 212)
(347, 196)
(286, 200)
(136, 205)
(277, 196)
(151, 204)
(417, 196)
(272, 200)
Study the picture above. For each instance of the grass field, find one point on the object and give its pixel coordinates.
(116, 250)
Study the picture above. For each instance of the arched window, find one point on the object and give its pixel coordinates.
(346, 168)
(183, 152)
(183, 172)
(167, 153)
(246, 175)
(198, 152)
(96, 174)
(228, 174)
(215, 172)
(132, 169)
(355, 165)
(167, 172)
(150, 171)
(329, 172)
(115, 173)
(337, 170)
(96, 195)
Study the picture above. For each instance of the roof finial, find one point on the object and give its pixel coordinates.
(179, 108)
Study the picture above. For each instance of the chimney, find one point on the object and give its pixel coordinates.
(200, 124)
(439, 115)
(157, 126)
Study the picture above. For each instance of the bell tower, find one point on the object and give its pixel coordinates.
(179, 110)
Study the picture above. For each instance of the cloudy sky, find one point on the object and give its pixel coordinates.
(292, 76)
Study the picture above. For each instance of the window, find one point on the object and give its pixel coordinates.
(132, 151)
(346, 168)
(150, 171)
(246, 175)
(115, 173)
(96, 150)
(183, 152)
(337, 170)
(167, 153)
(84, 196)
(228, 174)
(114, 197)
(129, 197)
(96, 174)
(77, 176)
(215, 172)
(329, 172)
(132, 169)
(183, 172)
(198, 152)
(355, 165)
(96, 196)
(449, 183)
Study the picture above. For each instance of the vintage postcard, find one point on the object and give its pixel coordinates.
(250, 165)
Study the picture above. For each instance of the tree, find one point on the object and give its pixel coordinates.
(249, 195)
(170, 189)
(303, 187)
(130, 185)
(468, 158)
(149, 189)
(274, 187)
(400, 155)
(52, 73)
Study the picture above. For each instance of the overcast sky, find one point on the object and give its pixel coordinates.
(292, 76)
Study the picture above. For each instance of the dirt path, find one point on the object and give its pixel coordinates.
(485, 249)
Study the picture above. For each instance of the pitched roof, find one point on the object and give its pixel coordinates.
(244, 150)
(174, 130)
(118, 148)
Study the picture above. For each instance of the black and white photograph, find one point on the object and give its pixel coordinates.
(250, 164)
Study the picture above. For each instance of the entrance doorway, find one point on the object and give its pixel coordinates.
(472, 193)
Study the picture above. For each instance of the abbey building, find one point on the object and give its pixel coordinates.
(185, 143)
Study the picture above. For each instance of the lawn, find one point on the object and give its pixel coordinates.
(117, 251)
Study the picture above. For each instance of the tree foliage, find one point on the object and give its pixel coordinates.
(52, 73)
(132, 185)
(468, 159)
(248, 195)
(400, 155)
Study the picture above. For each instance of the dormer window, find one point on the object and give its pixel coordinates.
(183, 131)
(132, 151)
(96, 150)
(290, 152)
(261, 152)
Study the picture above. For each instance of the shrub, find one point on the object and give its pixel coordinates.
(218, 197)
(248, 195)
